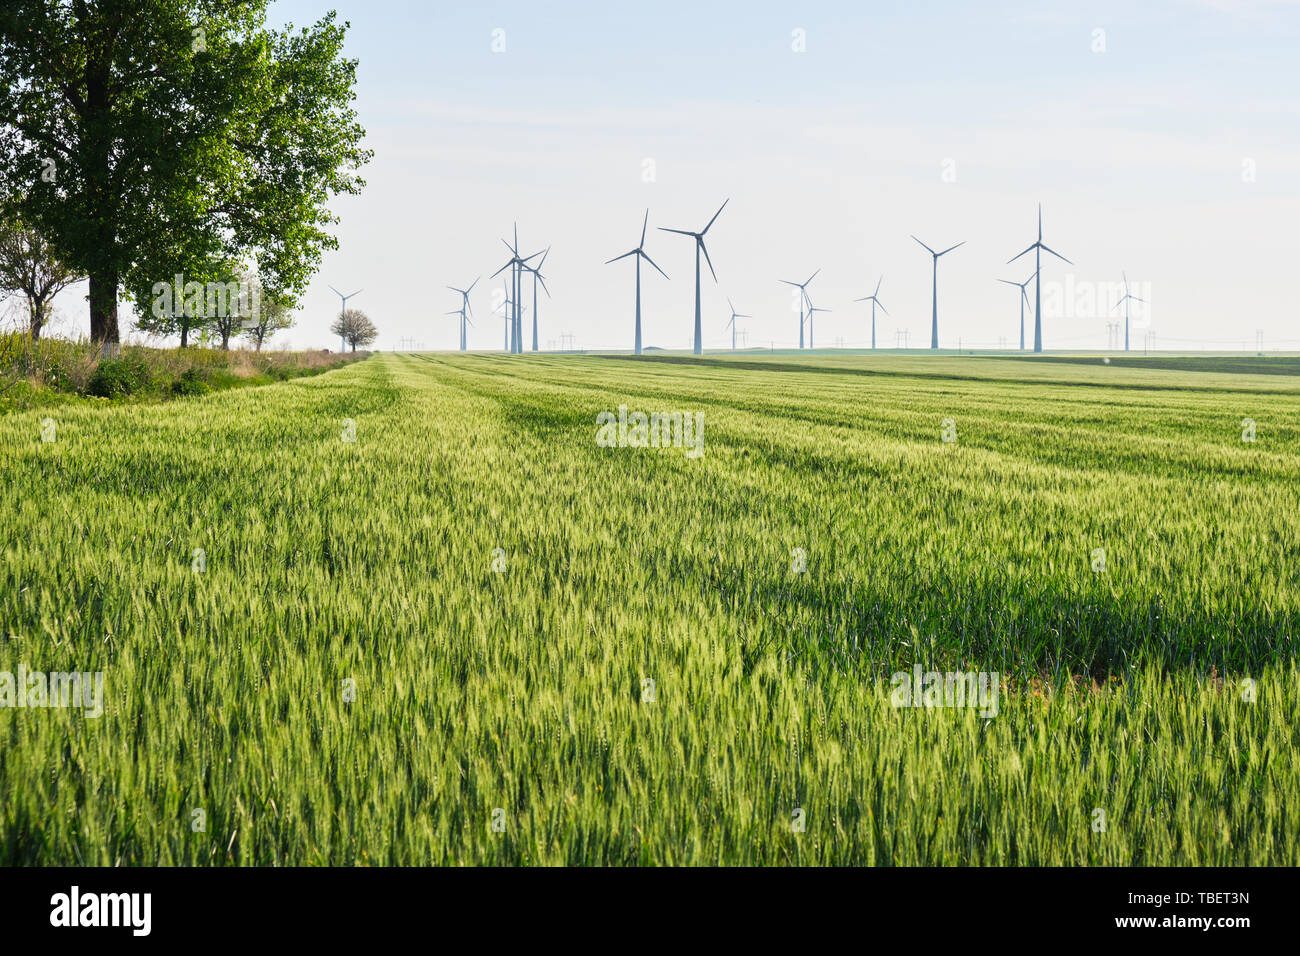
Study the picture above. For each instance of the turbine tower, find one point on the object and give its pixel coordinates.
(640, 254)
(465, 309)
(1124, 302)
(803, 297)
(732, 322)
(934, 314)
(1038, 249)
(464, 320)
(699, 247)
(1024, 301)
(874, 302)
(343, 308)
(537, 277)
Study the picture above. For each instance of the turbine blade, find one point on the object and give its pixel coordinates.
(653, 263)
(1057, 254)
(882, 308)
(924, 246)
(680, 232)
(623, 256)
(880, 280)
(1014, 258)
(502, 269)
(715, 216)
(471, 285)
(705, 250)
(644, 225)
(811, 277)
(951, 248)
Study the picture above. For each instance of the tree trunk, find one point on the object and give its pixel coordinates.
(185, 334)
(37, 307)
(103, 306)
(354, 346)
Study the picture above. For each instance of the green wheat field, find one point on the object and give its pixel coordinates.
(474, 636)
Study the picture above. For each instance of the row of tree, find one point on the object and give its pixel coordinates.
(144, 139)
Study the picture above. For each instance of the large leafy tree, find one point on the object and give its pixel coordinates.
(143, 135)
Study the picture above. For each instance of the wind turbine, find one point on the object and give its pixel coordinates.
(640, 254)
(1038, 249)
(464, 320)
(699, 247)
(1024, 300)
(1127, 298)
(515, 343)
(343, 308)
(465, 308)
(934, 315)
(803, 297)
(732, 322)
(505, 319)
(537, 277)
(874, 302)
(811, 310)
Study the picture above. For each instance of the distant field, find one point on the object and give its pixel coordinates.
(680, 660)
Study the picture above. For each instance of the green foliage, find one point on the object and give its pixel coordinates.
(371, 562)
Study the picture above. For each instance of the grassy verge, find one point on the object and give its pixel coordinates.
(53, 372)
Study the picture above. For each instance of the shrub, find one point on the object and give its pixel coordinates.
(190, 383)
(115, 378)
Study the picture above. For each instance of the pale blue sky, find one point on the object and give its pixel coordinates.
(831, 158)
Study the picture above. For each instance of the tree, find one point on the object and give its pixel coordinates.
(142, 135)
(29, 264)
(273, 316)
(355, 327)
(230, 302)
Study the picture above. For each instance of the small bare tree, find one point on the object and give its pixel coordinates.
(273, 317)
(355, 328)
(28, 264)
